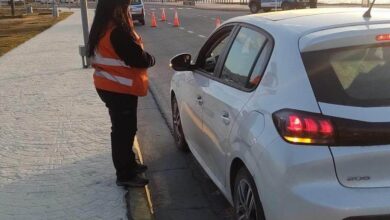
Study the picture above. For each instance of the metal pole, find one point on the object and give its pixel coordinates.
(84, 21)
(13, 8)
(54, 10)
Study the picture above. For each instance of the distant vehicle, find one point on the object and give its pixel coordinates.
(289, 113)
(46, 1)
(68, 1)
(137, 11)
(256, 5)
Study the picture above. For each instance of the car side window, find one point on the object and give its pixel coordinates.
(241, 58)
(211, 57)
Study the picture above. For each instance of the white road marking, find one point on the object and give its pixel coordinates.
(190, 32)
(153, 9)
(171, 8)
(201, 36)
(169, 23)
(181, 28)
(180, 8)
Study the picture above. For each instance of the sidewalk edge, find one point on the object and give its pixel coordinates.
(137, 198)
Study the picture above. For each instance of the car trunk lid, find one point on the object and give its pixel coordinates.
(352, 87)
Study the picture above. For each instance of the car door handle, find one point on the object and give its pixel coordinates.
(199, 100)
(225, 118)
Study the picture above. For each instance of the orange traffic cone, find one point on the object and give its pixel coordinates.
(154, 21)
(163, 16)
(176, 22)
(217, 22)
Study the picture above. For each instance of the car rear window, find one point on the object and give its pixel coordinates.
(354, 76)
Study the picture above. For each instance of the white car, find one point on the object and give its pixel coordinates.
(137, 10)
(289, 113)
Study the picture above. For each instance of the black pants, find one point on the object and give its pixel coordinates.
(123, 113)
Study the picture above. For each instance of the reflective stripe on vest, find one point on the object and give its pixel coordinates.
(99, 59)
(118, 79)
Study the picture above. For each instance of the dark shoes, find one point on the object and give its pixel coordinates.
(136, 181)
(140, 168)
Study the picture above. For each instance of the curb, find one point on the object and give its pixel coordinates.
(160, 106)
(138, 200)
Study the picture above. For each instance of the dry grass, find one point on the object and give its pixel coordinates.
(17, 30)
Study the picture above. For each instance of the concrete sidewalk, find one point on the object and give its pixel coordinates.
(55, 155)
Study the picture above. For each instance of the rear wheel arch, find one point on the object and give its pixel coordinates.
(236, 165)
(173, 95)
(239, 174)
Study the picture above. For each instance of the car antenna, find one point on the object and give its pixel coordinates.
(368, 12)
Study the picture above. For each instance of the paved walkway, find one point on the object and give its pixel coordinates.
(55, 157)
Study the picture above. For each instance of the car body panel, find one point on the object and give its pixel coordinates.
(295, 182)
(298, 23)
(343, 37)
(187, 89)
(222, 104)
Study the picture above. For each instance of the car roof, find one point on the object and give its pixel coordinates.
(305, 21)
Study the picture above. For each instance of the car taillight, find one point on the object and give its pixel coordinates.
(383, 37)
(300, 127)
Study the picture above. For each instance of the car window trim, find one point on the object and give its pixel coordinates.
(267, 59)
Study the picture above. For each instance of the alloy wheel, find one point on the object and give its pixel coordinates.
(245, 202)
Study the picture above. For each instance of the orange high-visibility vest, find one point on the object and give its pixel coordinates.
(113, 75)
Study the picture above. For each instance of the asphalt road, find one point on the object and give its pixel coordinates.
(179, 187)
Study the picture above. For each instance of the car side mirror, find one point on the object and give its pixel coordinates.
(181, 62)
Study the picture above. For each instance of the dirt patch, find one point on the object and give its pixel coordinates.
(16, 30)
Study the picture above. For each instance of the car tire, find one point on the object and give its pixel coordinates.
(285, 6)
(142, 21)
(254, 7)
(178, 133)
(246, 199)
(266, 9)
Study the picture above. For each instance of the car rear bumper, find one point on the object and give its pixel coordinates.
(138, 16)
(299, 183)
(335, 202)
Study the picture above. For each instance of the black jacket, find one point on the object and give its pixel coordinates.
(129, 51)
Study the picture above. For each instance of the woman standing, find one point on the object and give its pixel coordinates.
(120, 77)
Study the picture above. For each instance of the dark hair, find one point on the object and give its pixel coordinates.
(109, 11)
